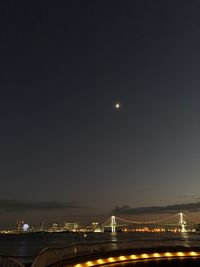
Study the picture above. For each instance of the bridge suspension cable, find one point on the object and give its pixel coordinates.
(148, 222)
(189, 218)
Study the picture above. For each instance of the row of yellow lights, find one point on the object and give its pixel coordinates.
(138, 257)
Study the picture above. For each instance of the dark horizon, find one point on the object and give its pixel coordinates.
(64, 66)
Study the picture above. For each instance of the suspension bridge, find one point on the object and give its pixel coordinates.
(177, 220)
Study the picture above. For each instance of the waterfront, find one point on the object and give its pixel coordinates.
(29, 245)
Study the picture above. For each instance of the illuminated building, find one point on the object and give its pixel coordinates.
(71, 227)
(19, 225)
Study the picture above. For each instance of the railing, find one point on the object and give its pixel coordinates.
(57, 257)
(60, 256)
(6, 261)
(16, 261)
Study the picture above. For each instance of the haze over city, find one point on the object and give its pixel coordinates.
(99, 109)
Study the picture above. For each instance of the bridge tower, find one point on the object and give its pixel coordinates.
(113, 224)
(182, 223)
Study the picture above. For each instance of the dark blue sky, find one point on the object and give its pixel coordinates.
(62, 145)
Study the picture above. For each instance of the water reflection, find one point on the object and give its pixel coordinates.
(185, 237)
(23, 247)
(32, 244)
(114, 237)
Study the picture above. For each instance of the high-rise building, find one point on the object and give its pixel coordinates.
(71, 227)
(19, 225)
(55, 227)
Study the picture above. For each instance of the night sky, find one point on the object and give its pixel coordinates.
(66, 153)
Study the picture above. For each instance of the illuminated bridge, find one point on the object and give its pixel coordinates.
(178, 220)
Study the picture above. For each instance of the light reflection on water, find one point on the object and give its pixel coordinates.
(186, 239)
(114, 245)
(32, 244)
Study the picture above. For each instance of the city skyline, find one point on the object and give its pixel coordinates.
(177, 222)
(99, 109)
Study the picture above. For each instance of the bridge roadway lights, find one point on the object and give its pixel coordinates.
(181, 222)
(136, 257)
